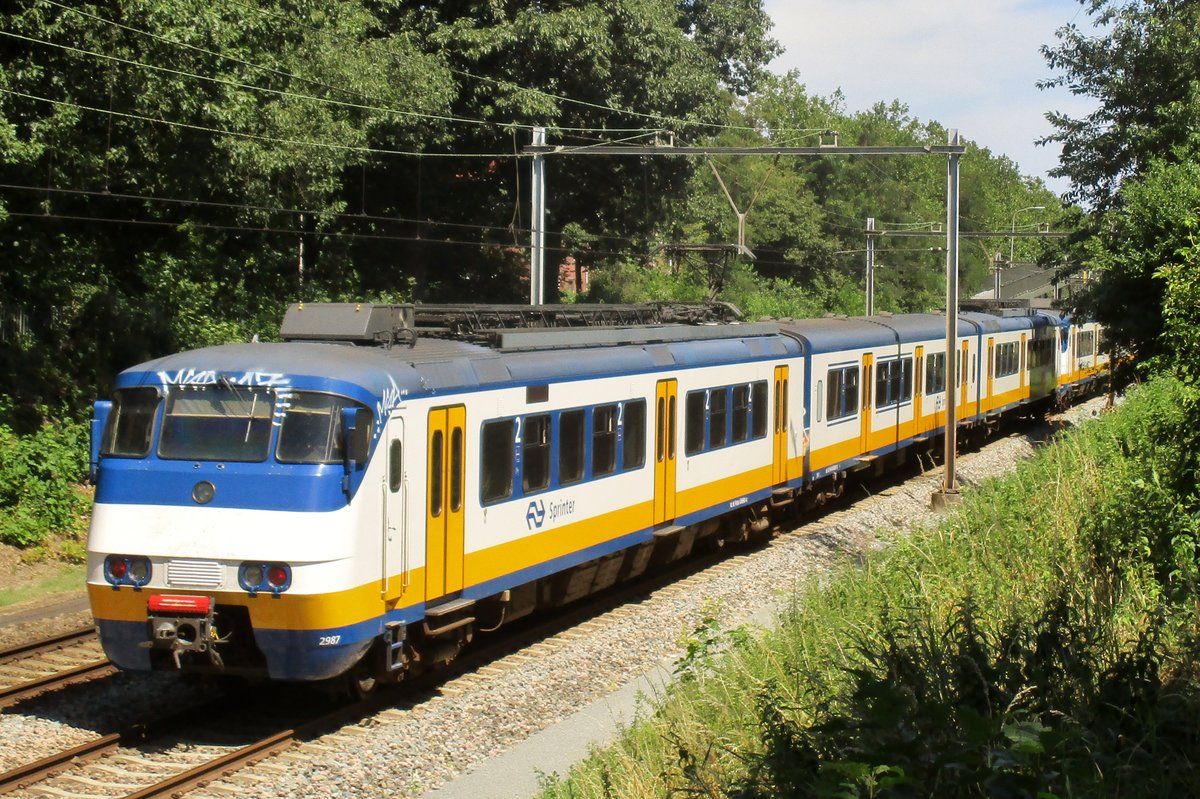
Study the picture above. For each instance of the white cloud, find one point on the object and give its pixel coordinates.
(969, 65)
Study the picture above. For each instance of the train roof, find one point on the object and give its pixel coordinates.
(433, 365)
(860, 332)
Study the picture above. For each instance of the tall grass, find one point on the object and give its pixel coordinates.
(1039, 643)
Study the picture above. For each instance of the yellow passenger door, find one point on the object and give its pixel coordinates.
(665, 419)
(779, 465)
(445, 528)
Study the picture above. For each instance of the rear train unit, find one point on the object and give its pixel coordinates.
(362, 499)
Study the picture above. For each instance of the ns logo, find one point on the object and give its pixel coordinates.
(535, 514)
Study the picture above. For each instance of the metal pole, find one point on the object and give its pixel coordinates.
(949, 487)
(998, 264)
(870, 302)
(537, 237)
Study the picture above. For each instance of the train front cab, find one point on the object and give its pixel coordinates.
(223, 541)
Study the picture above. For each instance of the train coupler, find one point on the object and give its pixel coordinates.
(183, 624)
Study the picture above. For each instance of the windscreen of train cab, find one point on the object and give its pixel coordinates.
(217, 423)
(130, 425)
(312, 428)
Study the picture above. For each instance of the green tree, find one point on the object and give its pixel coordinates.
(1145, 72)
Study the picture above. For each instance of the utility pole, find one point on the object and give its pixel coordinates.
(537, 233)
(948, 495)
(998, 265)
(870, 301)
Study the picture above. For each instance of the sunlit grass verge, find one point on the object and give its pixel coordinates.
(67, 579)
(1041, 643)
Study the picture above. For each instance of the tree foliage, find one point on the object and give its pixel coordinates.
(1134, 160)
(1144, 69)
(177, 170)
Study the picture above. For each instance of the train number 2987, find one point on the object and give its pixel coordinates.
(329, 640)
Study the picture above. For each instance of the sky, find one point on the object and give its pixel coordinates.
(968, 64)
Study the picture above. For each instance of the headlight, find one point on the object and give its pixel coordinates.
(132, 570)
(272, 577)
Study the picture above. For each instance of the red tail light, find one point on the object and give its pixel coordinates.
(277, 576)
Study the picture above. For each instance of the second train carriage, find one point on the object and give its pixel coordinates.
(361, 500)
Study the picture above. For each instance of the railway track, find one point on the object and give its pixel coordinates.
(51, 663)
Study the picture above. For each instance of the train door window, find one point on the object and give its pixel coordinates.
(570, 447)
(661, 439)
(633, 435)
(604, 440)
(671, 412)
(818, 406)
(437, 445)
(456, 469)
(741, 414)
(693, 437)
(497, 460)
(535, 453)
(395, 466)
(131, 423)
(758, 408)
(935, 373)
(783, 421)
(718, 414)
(842, 393)
(973, 357)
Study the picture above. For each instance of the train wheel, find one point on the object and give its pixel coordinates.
(361, 681)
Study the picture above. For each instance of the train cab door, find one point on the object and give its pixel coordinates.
(779, 465)
(865, 411)
(666, 416)
(395, 496)
(444, 524)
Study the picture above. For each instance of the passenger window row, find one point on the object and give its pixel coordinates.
(529, 454)
(724, 416)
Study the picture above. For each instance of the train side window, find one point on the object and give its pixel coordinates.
(395, 465)
(570, 447)
(456, 469)
(1086, 345)
(693, 440)
(535, 453)
(436, 455)
(741, 414)
(604, 440)
(935, 373)
(633, 452)
(718, 413)
(131, 423)
(842, 392)
(818, 406)
(758, 408)
(497, 461)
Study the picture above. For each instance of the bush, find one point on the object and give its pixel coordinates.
(40, 477)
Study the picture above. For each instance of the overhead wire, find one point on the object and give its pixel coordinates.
(190, 223)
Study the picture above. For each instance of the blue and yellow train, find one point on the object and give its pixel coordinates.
(361, 499)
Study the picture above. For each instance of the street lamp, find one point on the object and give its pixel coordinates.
(1012, 239)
